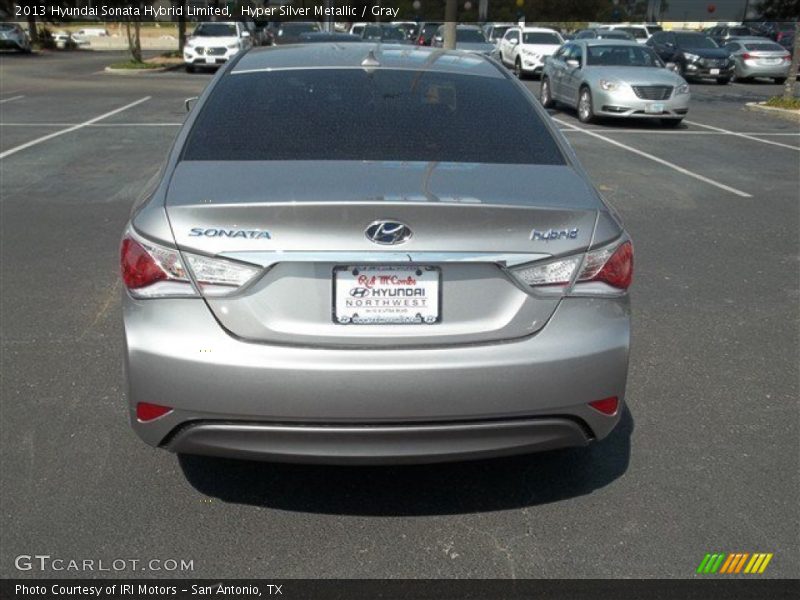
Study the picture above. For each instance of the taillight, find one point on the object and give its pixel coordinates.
(607, 406)
(150, 270)
(747, 56)
(420, 41)
(606, 270)
(616, 270)
(149, 412)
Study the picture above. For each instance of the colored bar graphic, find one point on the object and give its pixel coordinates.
(741, 562)
(734, 562)
(728, 563)
(703, 563)
(765, 563)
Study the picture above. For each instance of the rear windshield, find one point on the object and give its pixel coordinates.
(385, 115)
(764, 47)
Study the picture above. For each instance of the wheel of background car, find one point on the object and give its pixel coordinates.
(585, 110)
(723, 80)
(190, 68)
(518, 68)
(545, 95)
(780, 80)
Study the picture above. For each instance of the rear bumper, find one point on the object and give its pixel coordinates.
(376, 444)
(779, 71)
(251, 400)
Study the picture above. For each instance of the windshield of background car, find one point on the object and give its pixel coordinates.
(614, 35)
(298, 28)
(470, 36)
(691, 40)
(764, 47)
(639, 33)
(215, 30)
(621, 56)
(539, 37)
(498, 32)
(379, 115)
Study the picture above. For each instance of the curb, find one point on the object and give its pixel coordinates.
(785, 113)
(140, 71)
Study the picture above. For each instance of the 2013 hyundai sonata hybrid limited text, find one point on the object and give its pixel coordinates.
(365, 253)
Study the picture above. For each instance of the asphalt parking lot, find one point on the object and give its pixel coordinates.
(706, 459)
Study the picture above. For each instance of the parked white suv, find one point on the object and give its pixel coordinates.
(525, 48)
(213, 43)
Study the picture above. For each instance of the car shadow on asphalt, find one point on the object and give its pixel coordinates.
(440, 489)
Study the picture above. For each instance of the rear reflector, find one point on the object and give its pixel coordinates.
(607, 406)
(148, 412)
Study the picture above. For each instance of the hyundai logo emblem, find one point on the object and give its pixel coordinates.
(388, 232)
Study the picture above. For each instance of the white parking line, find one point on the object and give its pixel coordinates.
(743, 135)
(92, 125)
(660, 161)
(50, 136)
(670, 132)
(4, 100)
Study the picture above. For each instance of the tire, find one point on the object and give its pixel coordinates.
(545, 94)
(780, 80)
(671, 123)
(190, 68)
(723, 80)
(518, 69)
(585, 107)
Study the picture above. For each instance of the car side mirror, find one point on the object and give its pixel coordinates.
(513, 42)
(575, 64)
(672, 67)
(189, 103)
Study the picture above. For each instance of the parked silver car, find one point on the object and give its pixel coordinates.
(392, 271)
(614, 79)
(759, 57)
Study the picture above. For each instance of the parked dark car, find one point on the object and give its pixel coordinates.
(427, 31)
(695, 54)
(390, 34)
(468, 37)
(315, 37)
(290, 32)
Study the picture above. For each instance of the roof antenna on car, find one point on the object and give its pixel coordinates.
(371, 62)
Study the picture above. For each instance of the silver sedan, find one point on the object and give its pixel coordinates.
(759, 57)
(432, 279)
(605, 78)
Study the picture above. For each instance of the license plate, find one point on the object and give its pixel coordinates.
(210, 60)
(656, 108)
(714, 71)
(386, 295)
(770, 61)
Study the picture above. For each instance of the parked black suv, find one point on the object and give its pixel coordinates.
(696, 54)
